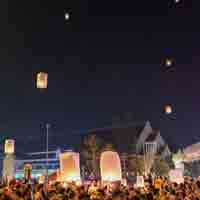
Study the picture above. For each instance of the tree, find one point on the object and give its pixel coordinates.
(108, 147)
(136, 165)
(160, 167)
(188, 169)
(178, 157)
(90, 153)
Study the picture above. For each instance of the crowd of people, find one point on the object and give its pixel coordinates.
(158, 189)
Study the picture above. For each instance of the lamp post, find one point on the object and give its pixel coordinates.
(47, 151)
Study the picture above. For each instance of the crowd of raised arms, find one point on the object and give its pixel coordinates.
(158, 189)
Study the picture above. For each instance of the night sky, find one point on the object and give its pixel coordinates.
(106, 59)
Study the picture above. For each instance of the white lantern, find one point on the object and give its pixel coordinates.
(41, 179)
(67, 16)
(9, 146)
(70, 167)
(42, 80)
(110, 167)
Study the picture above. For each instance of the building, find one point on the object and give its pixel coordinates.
(130, 138)
(127, 139)
(38, 162)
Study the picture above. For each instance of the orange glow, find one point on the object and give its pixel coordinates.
(42, 80)
(9, 146)
(168, 109)
(70, 167)
(41, 179)
(58, 175)
(110, 166)
(168, 62)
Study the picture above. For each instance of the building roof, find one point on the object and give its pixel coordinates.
(123, 136)
(192, 152)
(152, 136)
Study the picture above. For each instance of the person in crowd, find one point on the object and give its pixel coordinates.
(162, 189)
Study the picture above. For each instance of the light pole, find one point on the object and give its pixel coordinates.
(47, 151)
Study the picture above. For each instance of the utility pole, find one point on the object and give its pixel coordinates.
(47, 151)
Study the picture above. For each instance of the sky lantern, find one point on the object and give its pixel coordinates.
(70, 167)
(177, 1)
(168, 109)
(110, 167)
(67, 16)
(42, 80)
(168, 62)
(9, 146)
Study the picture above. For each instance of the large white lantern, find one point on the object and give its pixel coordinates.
(110, 167)
(42, 80)
(9, 146)
(70, 167)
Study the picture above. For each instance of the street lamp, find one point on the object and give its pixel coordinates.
(47, 151)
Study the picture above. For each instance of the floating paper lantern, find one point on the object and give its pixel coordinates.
(70, 167)
(67, 16)
(9, 146)
(168, 62)
(110, 167)
(168, 109)
(42, 80)
(58, 179)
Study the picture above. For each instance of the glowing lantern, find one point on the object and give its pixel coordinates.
(67, 16)
(41, 180)
(9, 146)
(140, 181)
(168, 62)
(70, 167)
(168, 109)
(42, 80)
(110, 167)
